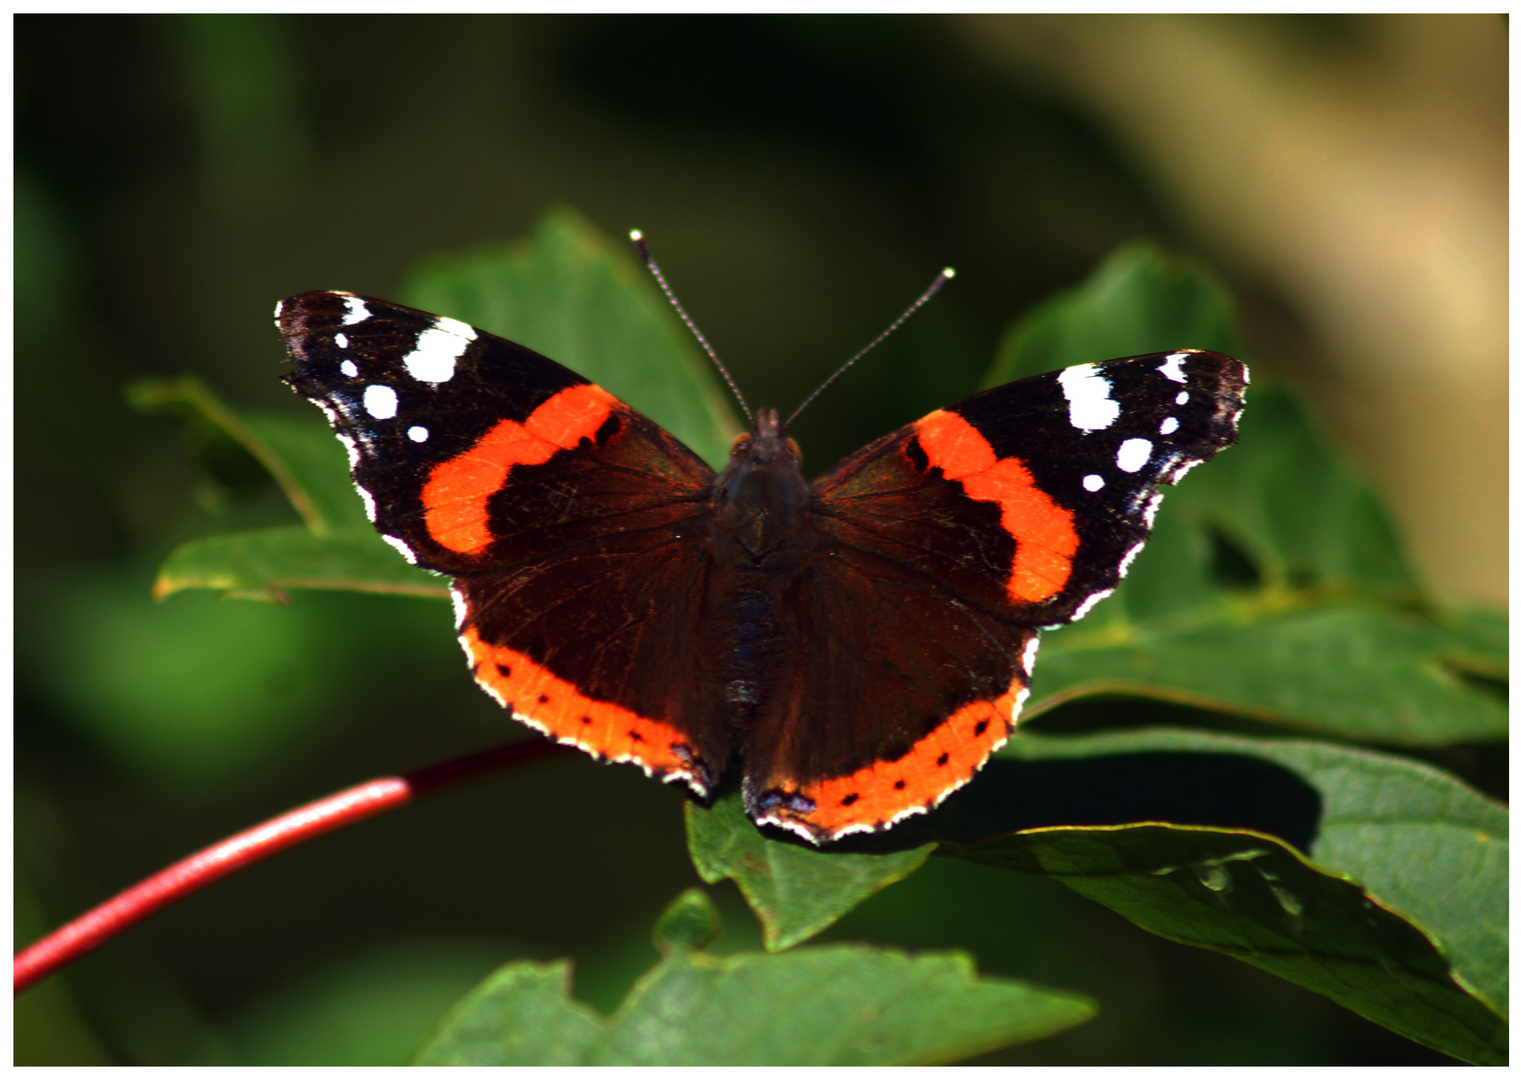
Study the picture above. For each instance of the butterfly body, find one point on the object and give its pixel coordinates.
(860, 644)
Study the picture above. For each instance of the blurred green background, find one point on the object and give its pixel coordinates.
(800, 179)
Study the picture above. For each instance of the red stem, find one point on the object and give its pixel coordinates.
(69, 943)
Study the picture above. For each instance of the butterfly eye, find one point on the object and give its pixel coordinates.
(741, 441)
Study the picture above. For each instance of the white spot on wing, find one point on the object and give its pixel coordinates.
(1182, 398)
(1089, 405)
(342, 340)
(1172, 367)
(1133, 454)
(1028, 659)
(400, 545)
(369, 503)
(356, 313)
(438, 347)
(1169, 425)
(349, 368)
(417, 433)
(1093, 482)
(380, 402)
(458, 599)
(279, 310)
(1149, 515)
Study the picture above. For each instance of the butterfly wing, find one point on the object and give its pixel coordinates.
(573, 526)
(940, 551)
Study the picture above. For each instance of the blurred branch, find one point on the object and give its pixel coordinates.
(68, 943)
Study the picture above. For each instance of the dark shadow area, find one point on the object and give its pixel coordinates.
(1486, 766)
(1230, 565)
(1230, 791)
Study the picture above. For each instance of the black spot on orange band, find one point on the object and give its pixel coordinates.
(557, 708)
(885, 791)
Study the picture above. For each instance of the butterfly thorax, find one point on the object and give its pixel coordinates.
(759, 498)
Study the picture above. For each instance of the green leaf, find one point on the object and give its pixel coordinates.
(1149, 302)
(795, 891)
(1429, 851)
(1251, 897)
(336, 548)
(834, 1005)
(570, 294)
(264, 563)
(301, 463)
(1383, 821)
(1388, 821)
(305, 448)
(1351, 670)
(1298, 514)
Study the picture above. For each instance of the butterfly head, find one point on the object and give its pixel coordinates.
(764, 443)
(762, 490)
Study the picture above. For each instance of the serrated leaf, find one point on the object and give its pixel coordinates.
(1419, 839)
(795, 891)
(288, 450)
(316, 463)
(573, 296)
(1429, 850)
(336, 548)
(832, 1005)
(1355, 671)
(1252, 897)
(265, 563)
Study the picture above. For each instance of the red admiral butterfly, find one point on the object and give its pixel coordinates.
(864, 642)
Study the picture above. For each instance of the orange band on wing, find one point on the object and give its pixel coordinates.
(456, 492)
(555, 707)
(1045, 538)
(938, 764)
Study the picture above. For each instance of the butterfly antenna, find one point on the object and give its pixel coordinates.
(649, 261)
(935, 286)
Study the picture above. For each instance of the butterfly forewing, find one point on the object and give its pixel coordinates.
(567, 519)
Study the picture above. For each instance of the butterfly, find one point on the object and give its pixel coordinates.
(857, 646)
